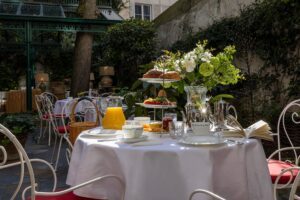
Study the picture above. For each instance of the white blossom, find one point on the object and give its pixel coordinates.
(206, 56)
(189, 64)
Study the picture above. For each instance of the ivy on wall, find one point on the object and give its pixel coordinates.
(269, 30)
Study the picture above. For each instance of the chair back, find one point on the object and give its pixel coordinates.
(90, 93)
(288, 111)
(23, 161)
(42, 104)
(51, 97)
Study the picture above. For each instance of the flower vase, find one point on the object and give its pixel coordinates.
(197, 110)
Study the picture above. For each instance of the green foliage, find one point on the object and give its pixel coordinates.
(11, 68)
(270, 30)
(18, 124)
(126, 46)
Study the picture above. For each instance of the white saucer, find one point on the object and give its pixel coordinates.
(101, 133)
(202, 140)
(133, 140)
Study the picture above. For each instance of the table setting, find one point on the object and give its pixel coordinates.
(168, 158)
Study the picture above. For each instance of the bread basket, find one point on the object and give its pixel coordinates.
(77, 127)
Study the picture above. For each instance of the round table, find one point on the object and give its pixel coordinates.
(171, 171)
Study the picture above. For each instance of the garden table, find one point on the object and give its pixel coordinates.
(171, 171)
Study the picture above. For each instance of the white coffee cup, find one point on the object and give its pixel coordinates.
(132, 131)
(142, 120)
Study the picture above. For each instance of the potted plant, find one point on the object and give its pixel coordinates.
(20, 125)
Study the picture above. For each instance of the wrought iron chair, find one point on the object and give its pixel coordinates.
(62, 132)
(50, 96)
(284, 172)
(294, 186)
(34, 194)
(41, 104)
(202, 191)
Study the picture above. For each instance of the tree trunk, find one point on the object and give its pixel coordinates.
(87, 9)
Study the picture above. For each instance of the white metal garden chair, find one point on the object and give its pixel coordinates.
(66, 194)
(202, 191)
(50, 96)
(42, 106)
(294, 186)
(62, 132)
(284, 172)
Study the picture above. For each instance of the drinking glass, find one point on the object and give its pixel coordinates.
(169, 117)
(176, 129)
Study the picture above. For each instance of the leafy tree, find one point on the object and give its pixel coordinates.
(126, 46)
(83, 49)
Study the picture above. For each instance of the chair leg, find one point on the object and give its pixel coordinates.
(41, 132)
(44, 131)
(49, 139)
(53, 151)
(58, 152)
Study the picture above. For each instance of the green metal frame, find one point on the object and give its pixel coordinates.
(28, 24)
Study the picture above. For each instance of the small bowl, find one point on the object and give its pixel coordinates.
(132, 131)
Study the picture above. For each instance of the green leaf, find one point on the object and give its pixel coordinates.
(221, 96)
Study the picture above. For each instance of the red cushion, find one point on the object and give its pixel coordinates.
(46, 116)
(276, 167)
(62, 129)
(67, 196)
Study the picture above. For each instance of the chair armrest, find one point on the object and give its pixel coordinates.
(84, 184)
(205, 192)
(284, 149)
(287, 185)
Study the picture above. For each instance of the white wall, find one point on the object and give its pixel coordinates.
(157, 6)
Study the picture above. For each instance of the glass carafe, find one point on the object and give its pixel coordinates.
(197, 110)
(114, 117)
(221, 110)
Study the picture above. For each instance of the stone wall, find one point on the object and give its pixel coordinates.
(187, 16)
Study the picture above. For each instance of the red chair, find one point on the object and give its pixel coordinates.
(66, 194)
(278, 166)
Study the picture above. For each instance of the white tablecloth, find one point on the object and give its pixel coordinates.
(82, 106)
(171, 171)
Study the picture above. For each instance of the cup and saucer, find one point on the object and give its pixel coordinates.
(132, 134)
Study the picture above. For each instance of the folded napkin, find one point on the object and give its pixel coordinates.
(147, 143)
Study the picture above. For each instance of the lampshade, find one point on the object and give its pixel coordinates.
(106, 71)
(39, 77)
(92, 77)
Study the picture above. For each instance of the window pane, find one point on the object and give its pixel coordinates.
(147, 17)
(138, 16)
(146, 10)
(138, 10)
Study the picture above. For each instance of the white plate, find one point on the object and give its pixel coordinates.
(133, 140)
(101, 133)
(158, 80)
(202, 140)
(156, 106)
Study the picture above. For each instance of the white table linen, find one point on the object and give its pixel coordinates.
(83, 106)
(171, 171)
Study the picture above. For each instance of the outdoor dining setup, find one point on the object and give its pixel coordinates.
(164, 155)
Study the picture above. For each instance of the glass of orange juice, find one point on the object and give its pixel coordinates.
(114, 117)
